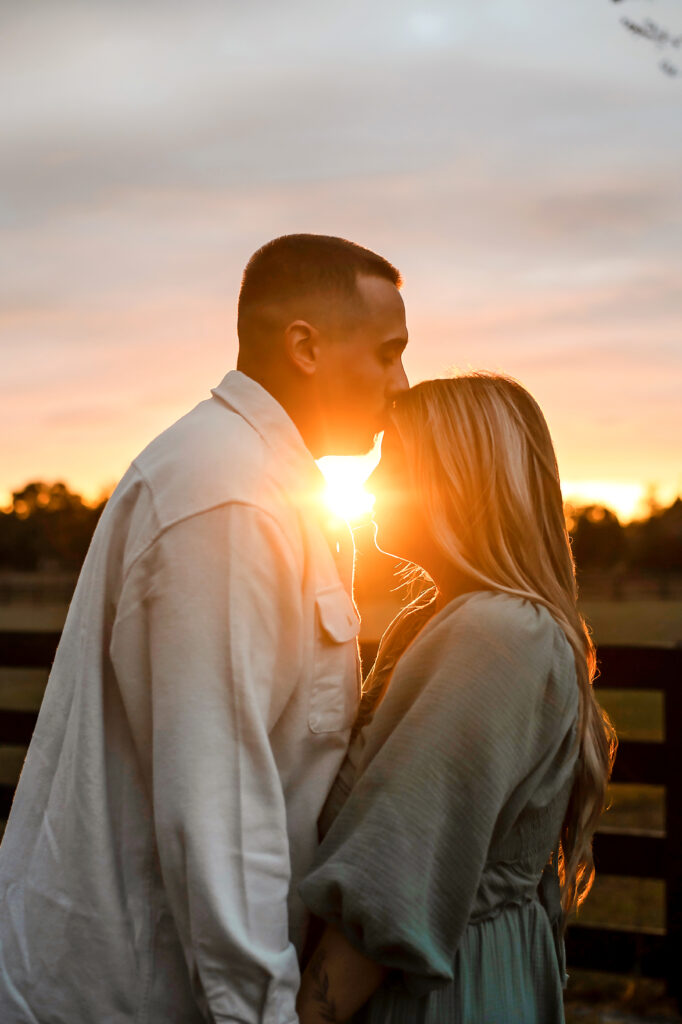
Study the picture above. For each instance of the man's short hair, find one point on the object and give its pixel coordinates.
(296, 266)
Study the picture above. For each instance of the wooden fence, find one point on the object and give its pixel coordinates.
(655, 953)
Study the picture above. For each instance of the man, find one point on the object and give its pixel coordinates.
(202, 695)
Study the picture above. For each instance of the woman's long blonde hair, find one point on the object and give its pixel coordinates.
(483, 461)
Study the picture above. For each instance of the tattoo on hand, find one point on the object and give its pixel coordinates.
(320, 980)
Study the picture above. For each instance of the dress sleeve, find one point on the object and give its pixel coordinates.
(460, 727)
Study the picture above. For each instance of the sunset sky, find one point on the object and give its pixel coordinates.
(520, 161)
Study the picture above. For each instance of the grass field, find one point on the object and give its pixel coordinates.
(634, 622)
(611, 622)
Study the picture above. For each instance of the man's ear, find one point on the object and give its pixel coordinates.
(302, 346)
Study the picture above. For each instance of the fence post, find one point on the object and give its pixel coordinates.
(673, 825)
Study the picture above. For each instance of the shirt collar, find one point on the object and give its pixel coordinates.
(274, 425)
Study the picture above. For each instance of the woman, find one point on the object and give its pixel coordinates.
(458, 835)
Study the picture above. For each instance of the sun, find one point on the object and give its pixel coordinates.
(628, 499)
(346, 495)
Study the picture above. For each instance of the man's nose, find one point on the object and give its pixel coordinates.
(399, 381)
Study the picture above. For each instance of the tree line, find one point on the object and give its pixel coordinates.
(650, 545)
(47, 526)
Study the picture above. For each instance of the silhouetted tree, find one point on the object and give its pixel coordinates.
(656, 542)
(598, 539)
(46, 524)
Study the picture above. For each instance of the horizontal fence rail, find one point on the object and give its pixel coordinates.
(21, 649)
(621, 852)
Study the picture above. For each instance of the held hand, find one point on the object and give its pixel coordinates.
(337, 981)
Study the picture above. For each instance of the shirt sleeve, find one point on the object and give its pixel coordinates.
(218, 619)
(463, 720)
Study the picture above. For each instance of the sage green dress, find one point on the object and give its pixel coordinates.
(439, 854)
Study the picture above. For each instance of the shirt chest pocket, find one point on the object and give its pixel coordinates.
(335, 688)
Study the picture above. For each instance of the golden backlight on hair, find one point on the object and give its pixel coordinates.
(483, 462)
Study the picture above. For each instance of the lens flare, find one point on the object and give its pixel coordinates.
(346, 495)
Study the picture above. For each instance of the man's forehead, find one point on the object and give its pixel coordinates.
(380, 293)
(382, 305)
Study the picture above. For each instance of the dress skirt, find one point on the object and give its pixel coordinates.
(505, 972)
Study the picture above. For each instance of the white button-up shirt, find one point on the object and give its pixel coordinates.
(197, 712)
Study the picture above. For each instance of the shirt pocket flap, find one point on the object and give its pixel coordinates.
(338, 617)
